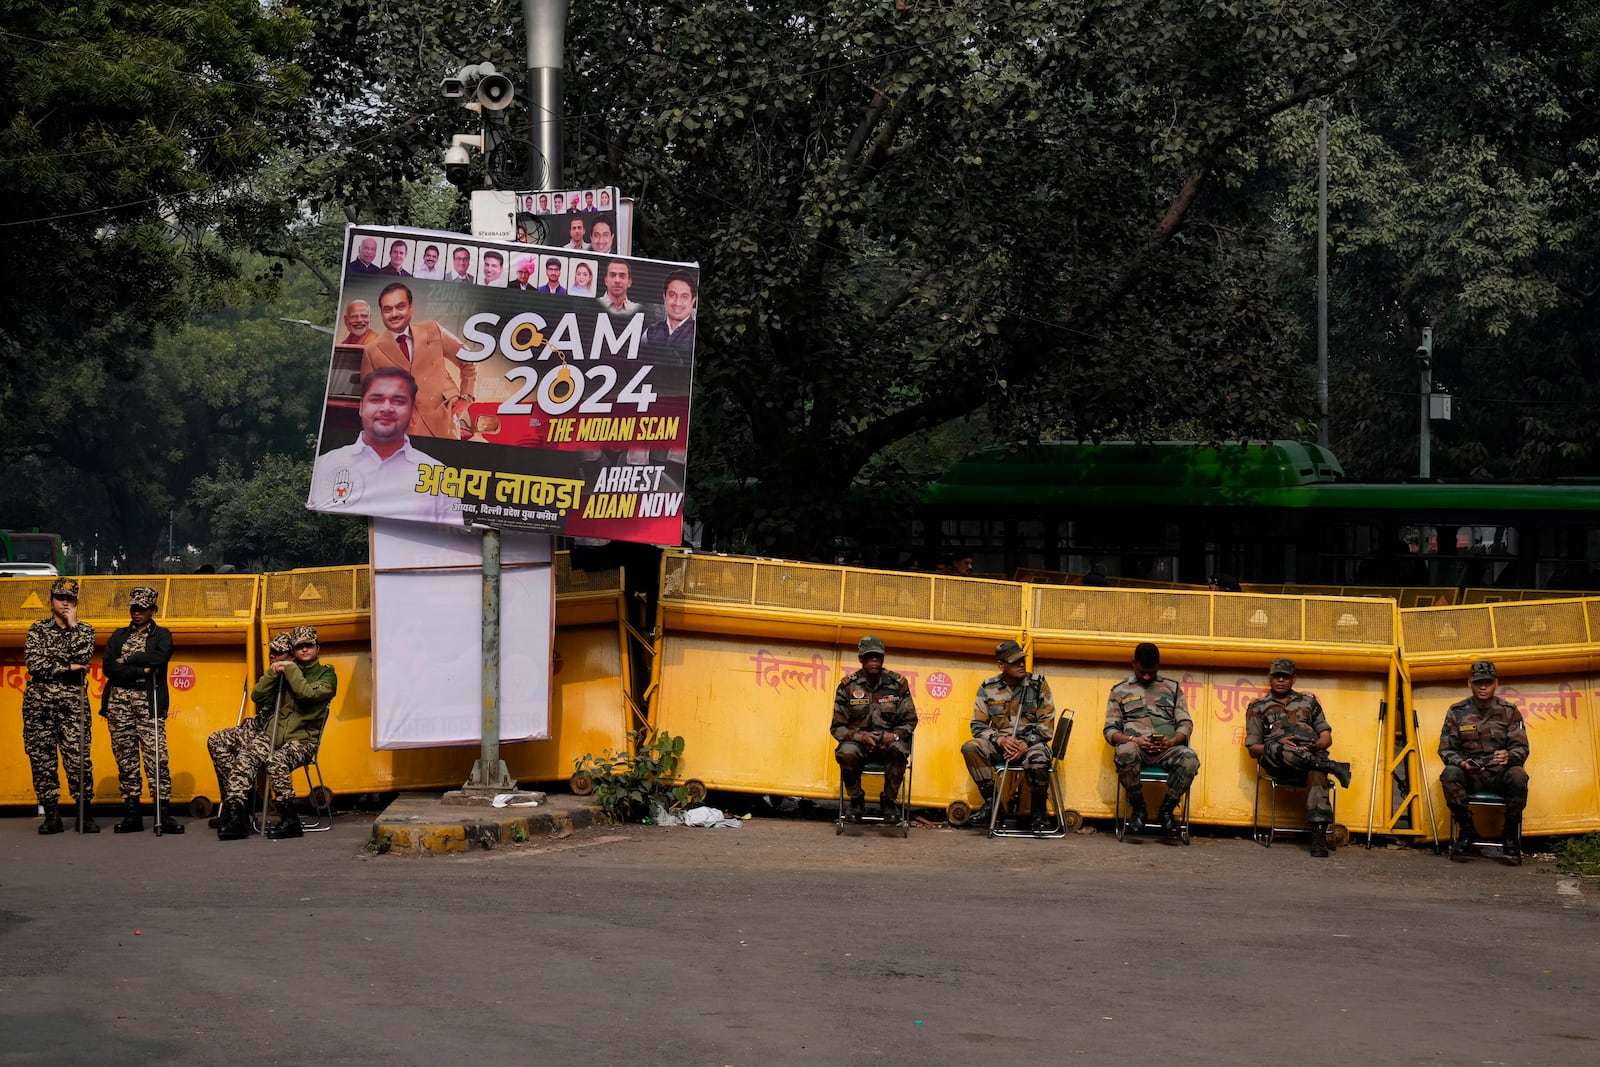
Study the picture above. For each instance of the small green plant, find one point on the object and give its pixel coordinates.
(379, 845)
(1579, 855)
(627, 786)
(519, 832)
(486, 838)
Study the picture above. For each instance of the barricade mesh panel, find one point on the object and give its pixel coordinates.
(1593, 608)
(1539, 622)
(709, 578)
(569, 581)
(797, 587)
(323, 591)
(1258, 618)
(1102, 610)
(1349, 622)
(979, 604)
(1446, 629)
(904, 596)
(189, 596)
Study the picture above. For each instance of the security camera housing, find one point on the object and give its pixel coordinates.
(453, 89)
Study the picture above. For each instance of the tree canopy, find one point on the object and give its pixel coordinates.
(919, 225)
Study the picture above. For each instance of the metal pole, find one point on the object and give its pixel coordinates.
(1322, 276)
(490, 772)
(1425, 430)
(544, 26)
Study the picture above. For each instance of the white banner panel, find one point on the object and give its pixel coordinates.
(427, 612)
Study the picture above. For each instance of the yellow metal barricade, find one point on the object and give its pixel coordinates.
(1549, 668)
(752, 650)
(1218, 646)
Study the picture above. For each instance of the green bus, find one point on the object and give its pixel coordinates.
(1265, 512)
(18, 546)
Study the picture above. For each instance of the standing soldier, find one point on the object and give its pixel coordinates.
(1484, 745)
(873, 720)
(135, 697)
(308, 688)
(1148, 725)
(1013, 718)
(55, 707)
(225, 743)
(1289, 736)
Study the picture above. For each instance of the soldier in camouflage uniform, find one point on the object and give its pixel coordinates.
(224, 743)
(1148, 725)
(873, 721)
(308, 688)
(1289, 736)
(1484, 744)
(1013, 719)
(55, 706)
(135, 697)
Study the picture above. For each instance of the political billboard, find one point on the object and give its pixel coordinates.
(524, 387)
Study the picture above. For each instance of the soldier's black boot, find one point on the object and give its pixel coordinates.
(858, 808)
(1037, 803)
(52, 820)
(1511, 840)
(980, 818)
(1319, 841)
(1169, 815)
(889, 805)
(1340, 771)
(288, 824)
(235, 824)
(168, 824)
(1138, 814)
(132, 822)
(1466, 833)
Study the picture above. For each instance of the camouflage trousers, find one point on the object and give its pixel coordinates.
(1511, 783)
(239, 752)
(55, 720)
(982, 757)
(853, 759)
(1180, 762)
(133, 734)
(1287, 767)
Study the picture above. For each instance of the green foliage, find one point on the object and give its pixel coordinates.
(1579, 855)
(379, 846)
(519, 832)
(263, 522)
(628, 785)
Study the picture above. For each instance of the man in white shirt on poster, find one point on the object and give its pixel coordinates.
(377, 475)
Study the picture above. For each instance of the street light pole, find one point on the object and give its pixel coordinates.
(1322, 275)
(544, 27)
(1425, 432)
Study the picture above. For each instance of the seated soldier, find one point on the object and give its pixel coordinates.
(224, 743)
(1148, 725)
(1484, 744)
(308, 687)
(1287, 733)
(1013, 720)
(873, 721)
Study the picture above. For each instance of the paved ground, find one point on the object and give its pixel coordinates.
(780, 943)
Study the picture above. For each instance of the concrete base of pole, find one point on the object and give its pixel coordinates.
(477, 797)
(490, 775)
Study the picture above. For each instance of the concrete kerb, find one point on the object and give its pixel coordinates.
(422, 823)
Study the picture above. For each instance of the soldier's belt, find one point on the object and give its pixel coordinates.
(64, 678)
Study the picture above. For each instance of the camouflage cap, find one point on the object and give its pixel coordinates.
(143, 596)
(280, 644)
(870, 646)
(1009, 652)
(303, 635)
(65, 587)
(1482, 670)
(1281, 665)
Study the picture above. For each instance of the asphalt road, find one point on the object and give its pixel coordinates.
(780, 943)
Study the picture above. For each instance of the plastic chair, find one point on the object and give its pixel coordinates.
(1003, 783)
(1484, 800)
(1148, 775)
(901, 818)
(1338, 836)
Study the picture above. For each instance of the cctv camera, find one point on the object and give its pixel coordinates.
(453, 89)
(458, 167)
